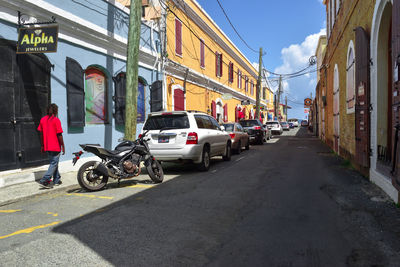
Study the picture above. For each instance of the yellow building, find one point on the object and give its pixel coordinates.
(204, 70)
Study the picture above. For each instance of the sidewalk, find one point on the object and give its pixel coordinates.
(17, 191)
(16, 185)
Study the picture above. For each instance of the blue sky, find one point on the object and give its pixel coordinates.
(288, 32)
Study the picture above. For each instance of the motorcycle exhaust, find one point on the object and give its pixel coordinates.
(101, 168)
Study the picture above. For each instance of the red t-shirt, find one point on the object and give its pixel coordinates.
(50, 127)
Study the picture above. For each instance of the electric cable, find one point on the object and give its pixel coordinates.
(233, 27)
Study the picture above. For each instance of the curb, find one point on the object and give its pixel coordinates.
(44, 192)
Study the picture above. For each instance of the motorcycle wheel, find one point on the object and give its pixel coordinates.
(89, 178)
(155, 171)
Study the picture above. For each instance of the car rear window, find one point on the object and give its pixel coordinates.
(229, 127)
(165, 122)
(249, 123)
(272, 123)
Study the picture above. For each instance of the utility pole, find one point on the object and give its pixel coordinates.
(132, 66)
(286, 107)
(278, 100)
(259, 86)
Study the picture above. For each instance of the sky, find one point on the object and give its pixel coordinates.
(288, 32)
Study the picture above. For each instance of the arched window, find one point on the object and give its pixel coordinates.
(350, 79)
(95, 96)
(336, 107)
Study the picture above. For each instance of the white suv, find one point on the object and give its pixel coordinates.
(275, 127)
(186, 136)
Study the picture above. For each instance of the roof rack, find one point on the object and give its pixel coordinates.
(194, 111)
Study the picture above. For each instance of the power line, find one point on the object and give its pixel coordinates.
(233, 27)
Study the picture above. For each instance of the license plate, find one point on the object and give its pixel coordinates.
(163, 139)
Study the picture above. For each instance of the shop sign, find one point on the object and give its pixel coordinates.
(37, 40)
(307, 102)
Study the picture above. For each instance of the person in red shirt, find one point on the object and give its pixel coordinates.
(52, 142)
(240, 114)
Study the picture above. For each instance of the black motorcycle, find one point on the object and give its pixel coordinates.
(121, 163)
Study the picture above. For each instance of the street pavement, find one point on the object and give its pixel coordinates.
(290, 202)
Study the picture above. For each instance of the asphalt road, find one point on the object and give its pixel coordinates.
(290, 202)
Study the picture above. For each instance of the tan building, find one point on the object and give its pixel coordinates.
(361, 73)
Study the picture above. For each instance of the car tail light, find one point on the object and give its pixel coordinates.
(192, 139)
(140, 136)
(257, 128)
(232, 135)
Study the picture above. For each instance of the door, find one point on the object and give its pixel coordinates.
(179, 99)
(362, 112)
(396, 91)
(25, 83)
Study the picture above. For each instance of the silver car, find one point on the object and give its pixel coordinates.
(186, 136)
(239, 137)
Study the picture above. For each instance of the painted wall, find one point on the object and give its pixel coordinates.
(104, 134)
(197, 95)
(351, 15)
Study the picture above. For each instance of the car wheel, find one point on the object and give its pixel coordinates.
(247, 147)
(204, 165)
(228, 152)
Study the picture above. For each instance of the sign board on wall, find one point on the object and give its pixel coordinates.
(307, 102)
(37, 40)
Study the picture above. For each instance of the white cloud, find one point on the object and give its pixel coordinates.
(296, 57)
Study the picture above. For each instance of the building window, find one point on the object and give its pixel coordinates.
(246, 83)
(239, 77)
(218, 64)
(336, 104)
(350, 78)
(95, 96)
(202, 54)
(178, 37)
(251, 87)
(230, 72)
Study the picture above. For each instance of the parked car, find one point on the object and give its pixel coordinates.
(304, 123)
(186, 136)
(291, 125)
(239, 137)
(274, 127)
(255, 130)
(294, 121)
(285, 126)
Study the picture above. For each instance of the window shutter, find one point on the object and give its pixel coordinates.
(225, 112)
(75, 93)
(119, 98)
(220, 65)
(216, 64)
(202, 56)
(236, 114)
(362, 112)
(156, 96)
(178, 37)
(213, 109)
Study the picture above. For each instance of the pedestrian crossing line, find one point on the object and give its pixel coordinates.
(89, 196)
(29, 230)
(9, 211)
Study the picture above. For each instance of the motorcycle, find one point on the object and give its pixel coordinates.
(121, 163)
